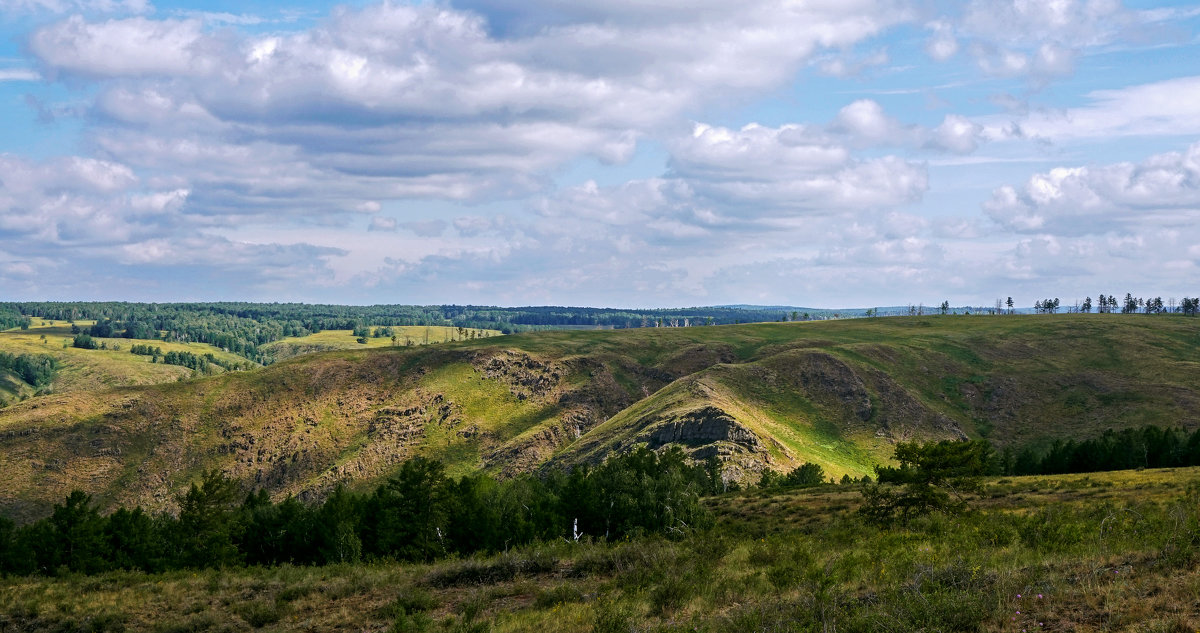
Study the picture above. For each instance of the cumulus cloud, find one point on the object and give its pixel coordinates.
(100, 212)
(942, 44)
(427, 100)
(130, 47)
(788, 168)
(1038, 38)
(957, 134)
(1163, 190)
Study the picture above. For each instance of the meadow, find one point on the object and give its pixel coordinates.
(405, 336)
(1110, 551)
(93, 369)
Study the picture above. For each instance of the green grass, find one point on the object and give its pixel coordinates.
(1113, 552)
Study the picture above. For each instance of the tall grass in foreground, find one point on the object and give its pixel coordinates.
(1106, 552)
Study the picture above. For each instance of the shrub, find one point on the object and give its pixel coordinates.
(259, 613)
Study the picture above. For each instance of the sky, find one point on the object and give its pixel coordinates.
(626, 153)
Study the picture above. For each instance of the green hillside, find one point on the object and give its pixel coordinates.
(770, 395)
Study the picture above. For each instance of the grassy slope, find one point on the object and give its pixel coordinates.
(836, 392)
(1100, 552)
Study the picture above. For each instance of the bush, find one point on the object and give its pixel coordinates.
(259, 613)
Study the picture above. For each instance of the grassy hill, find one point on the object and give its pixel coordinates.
(769, 395)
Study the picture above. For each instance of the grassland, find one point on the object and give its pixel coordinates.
(405, 336)
(770, 395)
(1099, 552)
(91, 370)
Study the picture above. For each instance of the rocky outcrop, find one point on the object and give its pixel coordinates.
(701, 426)
(525, 376)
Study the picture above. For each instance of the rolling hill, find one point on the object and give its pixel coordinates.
(770, 395)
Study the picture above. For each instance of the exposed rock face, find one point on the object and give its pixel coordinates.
(526, 376)
(702, 426)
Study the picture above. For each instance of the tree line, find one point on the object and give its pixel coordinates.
(242, 328)
(1145, 447)
(419, 514)
(37, 370)
(940, 476)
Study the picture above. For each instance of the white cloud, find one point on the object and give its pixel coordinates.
(97, 214)
(19, 74)
(957, 134)
(1163, 191)
(942, 43)
(66, 6)
(1039, 38)
(1162, 108)
(131, 47)
(426, 100)
(382, 224)
(771, 170)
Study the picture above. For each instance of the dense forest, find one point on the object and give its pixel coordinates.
(419, 514)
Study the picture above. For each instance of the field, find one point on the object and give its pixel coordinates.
(89, 370)
(1097, 552)
(771, 395)
(406, 335)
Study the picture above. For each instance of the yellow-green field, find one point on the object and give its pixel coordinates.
(87, 370)
(404, 336)
(1100, 552)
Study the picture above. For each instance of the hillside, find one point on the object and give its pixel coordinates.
(771, 395)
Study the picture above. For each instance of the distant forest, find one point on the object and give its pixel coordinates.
(242, 328)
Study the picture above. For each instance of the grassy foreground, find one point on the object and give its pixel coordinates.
(1096, 552)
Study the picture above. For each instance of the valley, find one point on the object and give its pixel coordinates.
(766, 396)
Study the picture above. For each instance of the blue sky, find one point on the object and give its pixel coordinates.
(820, 153)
